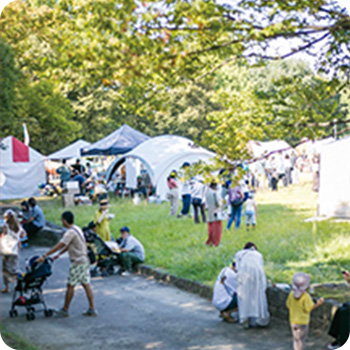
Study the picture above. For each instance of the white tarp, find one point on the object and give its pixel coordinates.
(20, 179)
(160, 155)
(132, 169)
(334, 192)
(261, 148)
(70, 151)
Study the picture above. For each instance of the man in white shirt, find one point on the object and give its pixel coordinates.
(132, 251)
(225, 293)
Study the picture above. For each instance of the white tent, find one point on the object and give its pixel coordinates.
(261, 148)
(22, 169)
(70, 151)
(161, 154)
(334, 192)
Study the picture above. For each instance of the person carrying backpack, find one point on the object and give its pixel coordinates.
(236, 199)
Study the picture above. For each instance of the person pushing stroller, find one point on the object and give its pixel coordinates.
(74, 242)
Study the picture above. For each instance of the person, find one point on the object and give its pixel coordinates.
(251, 211)
(10, 247)
(287, 180)
(236, 198)
(281, 168)
(315, 167)
(185, 193)
(340, 326)
(101, 221)
(37, 218)
(198, 192)
(26, 215)
(80, 179)
(88, 172)
(74, 242)
(214, 203)
(145, 185)
(173, 194)
(64, 172)
(251, 290)
(225, 293)
(300, 305)
(132, 251)
(79, 167)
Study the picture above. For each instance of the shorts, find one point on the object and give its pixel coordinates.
(233, 304)
(79, 274)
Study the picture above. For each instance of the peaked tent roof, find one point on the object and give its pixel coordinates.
(22, 169)
(120, 141)
(260, 148)
(70, 151)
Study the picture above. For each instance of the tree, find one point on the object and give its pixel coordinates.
(9, 78)
(48, 116)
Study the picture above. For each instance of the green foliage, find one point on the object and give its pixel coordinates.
(48, 116)
(9, 78)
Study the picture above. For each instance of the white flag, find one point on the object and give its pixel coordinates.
(26, 135)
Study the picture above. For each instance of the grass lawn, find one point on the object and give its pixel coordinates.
(14, 341)
(287, 243)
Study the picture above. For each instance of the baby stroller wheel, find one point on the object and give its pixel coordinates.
(30, 316)
(48, 313)
(13, 313)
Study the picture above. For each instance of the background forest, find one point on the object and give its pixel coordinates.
(219, 73)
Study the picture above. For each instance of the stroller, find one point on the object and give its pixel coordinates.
(100, 253)
(28, 290)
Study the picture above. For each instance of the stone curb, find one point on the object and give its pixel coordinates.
(320, 318)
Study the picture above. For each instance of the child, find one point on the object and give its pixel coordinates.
(251, 210)
(300, 305)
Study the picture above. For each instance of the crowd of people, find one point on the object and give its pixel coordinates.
(240, 296)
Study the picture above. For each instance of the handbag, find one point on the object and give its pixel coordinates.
(8, 244)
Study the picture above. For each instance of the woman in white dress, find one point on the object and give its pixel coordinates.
(10, 244)
(251, 291)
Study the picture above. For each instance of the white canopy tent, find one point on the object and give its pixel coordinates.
(261, 148)
(22, 169)
(334, 192)
(70, 151)
(162, 154)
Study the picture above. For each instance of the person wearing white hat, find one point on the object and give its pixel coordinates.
(300, 305)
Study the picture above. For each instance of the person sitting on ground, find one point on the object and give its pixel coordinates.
(340, 326)
(225, 293)
(64, 172)
(37, 218)
(251, 211)
(300, 305)
(26, 214)
(10, 247)
(74, 242)
(132, 251)
(80, 179)
(101, 220)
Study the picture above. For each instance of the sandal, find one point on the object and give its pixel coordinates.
(228, 319)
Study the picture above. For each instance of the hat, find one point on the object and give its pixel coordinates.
(125, 229)
(104, 203)
(301, 282)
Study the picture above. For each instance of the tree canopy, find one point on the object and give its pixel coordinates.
(160, 66)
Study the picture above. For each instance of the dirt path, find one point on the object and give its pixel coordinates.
(137, 313)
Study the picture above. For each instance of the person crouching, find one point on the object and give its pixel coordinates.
(225, 293)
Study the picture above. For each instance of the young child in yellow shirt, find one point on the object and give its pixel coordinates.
(300, 305)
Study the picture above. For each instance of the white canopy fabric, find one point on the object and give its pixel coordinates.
(161, 154)
(260, 148)
(22, 170)
(334, 192)
(71, 151)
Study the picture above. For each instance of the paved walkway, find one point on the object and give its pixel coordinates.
(138, 313)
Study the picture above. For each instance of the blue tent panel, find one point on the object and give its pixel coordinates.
(120, 141)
